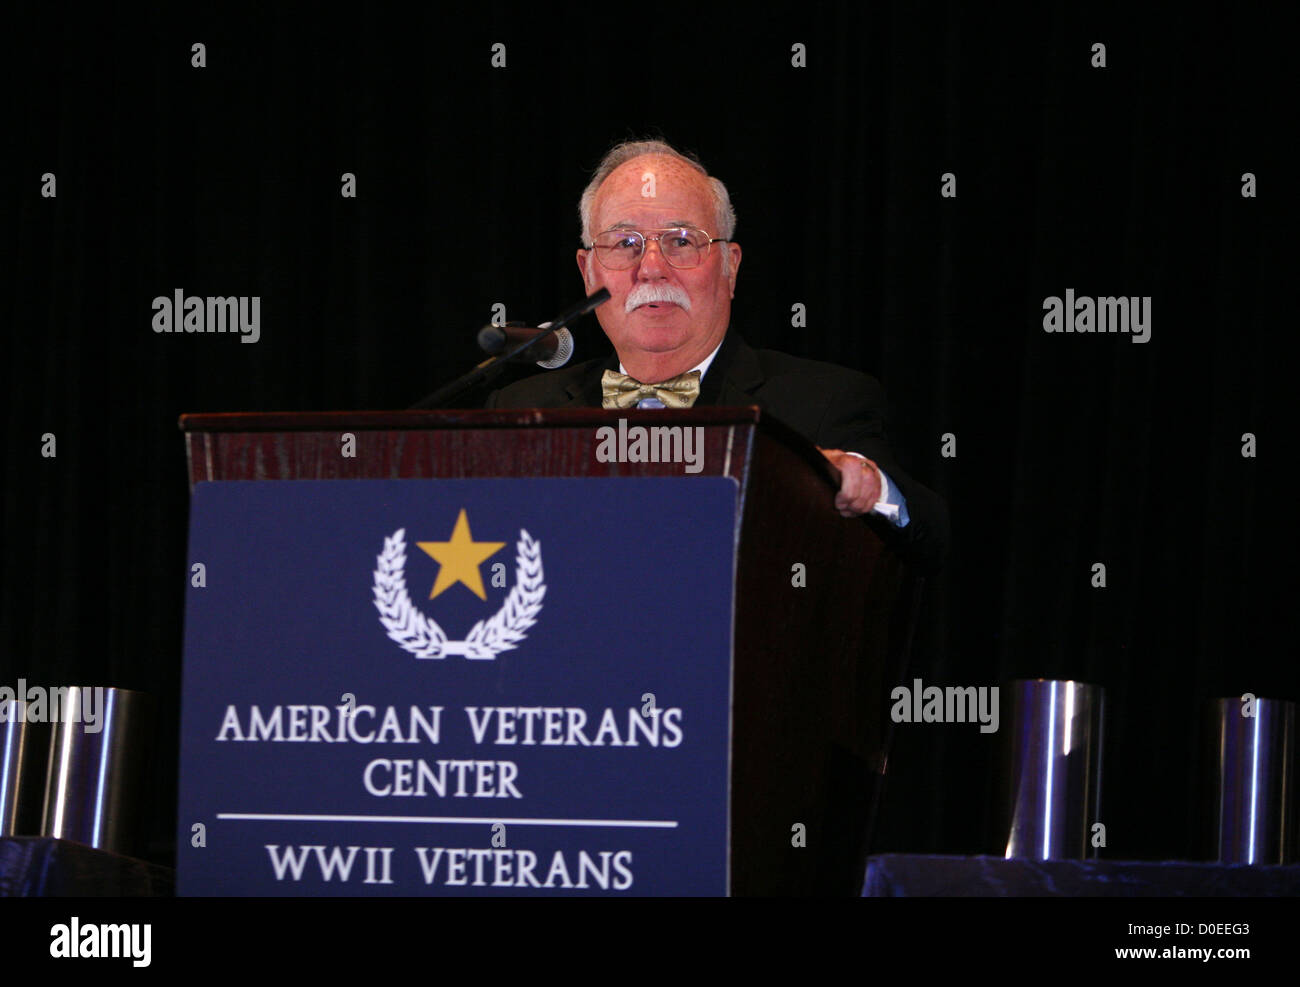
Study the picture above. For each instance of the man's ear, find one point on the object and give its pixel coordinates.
(583, 269)
(733, 250)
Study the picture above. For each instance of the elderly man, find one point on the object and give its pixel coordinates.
(657, 233)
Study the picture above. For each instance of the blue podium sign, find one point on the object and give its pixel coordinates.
(469, 687)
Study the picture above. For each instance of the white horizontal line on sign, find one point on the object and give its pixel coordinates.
(483, 821)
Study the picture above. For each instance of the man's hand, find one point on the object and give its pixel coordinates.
(859, 482)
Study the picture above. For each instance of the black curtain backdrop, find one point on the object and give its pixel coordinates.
(1071, 449)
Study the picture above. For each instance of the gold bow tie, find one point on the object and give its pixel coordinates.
(621, 391)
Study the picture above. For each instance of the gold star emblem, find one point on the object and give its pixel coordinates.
(460, 558)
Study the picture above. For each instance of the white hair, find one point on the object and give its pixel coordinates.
(724, 214)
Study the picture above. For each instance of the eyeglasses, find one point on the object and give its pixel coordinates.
(619, 250)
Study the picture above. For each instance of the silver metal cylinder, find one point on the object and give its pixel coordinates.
(95, 773)
(1051, 780)
(1251, 764)
(23, 753)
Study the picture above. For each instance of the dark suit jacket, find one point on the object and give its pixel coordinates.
(832, 407)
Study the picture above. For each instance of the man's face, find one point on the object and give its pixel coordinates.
(655, 193)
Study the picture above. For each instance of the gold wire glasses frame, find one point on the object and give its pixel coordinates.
(682, 247)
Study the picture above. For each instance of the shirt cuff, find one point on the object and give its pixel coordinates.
(892, 504)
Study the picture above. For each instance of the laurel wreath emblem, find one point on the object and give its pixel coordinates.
(421, 636)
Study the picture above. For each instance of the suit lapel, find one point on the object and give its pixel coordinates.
(733, 376)
(586, 392)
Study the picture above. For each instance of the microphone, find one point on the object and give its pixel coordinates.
(493, 364)
(552, 350)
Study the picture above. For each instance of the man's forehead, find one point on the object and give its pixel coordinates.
(657, 183)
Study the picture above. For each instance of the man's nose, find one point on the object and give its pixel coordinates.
(652, 264)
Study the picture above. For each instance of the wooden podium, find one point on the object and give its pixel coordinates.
(813, 663)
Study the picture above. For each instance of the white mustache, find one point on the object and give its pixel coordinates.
(644, 294)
